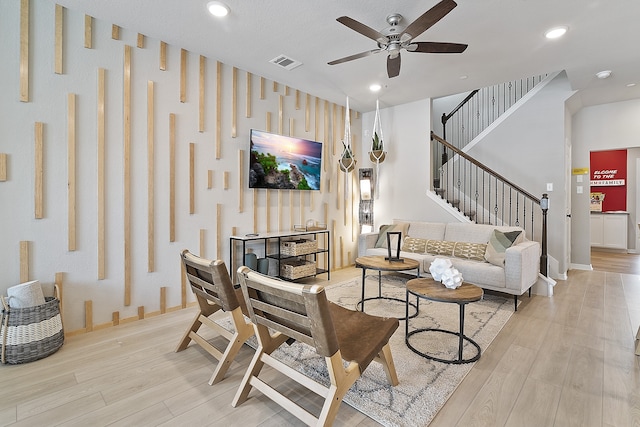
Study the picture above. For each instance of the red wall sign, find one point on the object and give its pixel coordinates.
(609, 177)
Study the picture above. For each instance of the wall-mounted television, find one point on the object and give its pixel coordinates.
(283, 162)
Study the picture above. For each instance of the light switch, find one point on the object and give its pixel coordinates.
(578, 178)
(579, 189)
(549, 186)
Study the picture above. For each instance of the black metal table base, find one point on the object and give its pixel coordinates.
(360, 304)
(457, 361)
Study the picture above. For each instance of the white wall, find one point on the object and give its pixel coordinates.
(601, 127)
(48, 250)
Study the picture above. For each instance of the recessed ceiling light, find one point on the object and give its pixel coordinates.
(464, 77)
(556, 32)
(631, 84)
(603, 74)
(218, 9)
(375, 87)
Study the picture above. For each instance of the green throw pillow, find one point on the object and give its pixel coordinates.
(499, 242)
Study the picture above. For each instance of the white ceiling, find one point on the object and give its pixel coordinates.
(505, 39)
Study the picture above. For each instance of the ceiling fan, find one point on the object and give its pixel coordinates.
(393, 41)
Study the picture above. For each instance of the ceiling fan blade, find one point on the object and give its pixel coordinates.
(429, 18)
(356, 56)
(363, 29)
(436, 47)
(393, 66)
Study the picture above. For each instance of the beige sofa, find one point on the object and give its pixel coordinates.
(512, 270)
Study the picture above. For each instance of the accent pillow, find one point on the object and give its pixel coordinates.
(415, 245)
(440, 247)
(499, 242)
(473, 251)
(382, 236)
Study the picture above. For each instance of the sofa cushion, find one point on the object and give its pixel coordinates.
(473, 251)
(499, 243)
(381, 242)
(440, 247)
(414, 245)
(468, 232)
(425, 230)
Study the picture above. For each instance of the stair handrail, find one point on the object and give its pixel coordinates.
(484, 167)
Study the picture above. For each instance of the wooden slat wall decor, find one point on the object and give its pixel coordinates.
(286, 91)
(88, 31)
(3, 167)
(225, 180)
(297, 98)
(59, 278)
(248, 100)
(39, 170)
(115, 318)
(115, 32)
(327, 133)
(275, 86)
(333, 244)
(201, 94)
(126, 119)
(280, 114)
(101, 173)
(59, 22)
(219, 231)
(307, 112)
(218, 108)
(172, 177)
(24, 50)
(209, 179)
(140, 312)
(150, 177)
(183, 75)
(262, 84)
(240, 181)
(267, 125)
(163, 300)
(280, 208)
(291, 224)
(202, 241)
(192, 183)
(336, 135)
(183, 286)
(268, 209)
(234, 102)
(140, 41)
(292, 130)
(88, 316)
(163, 56)
(316, 125)
(71, 170)
(24, 261)
(255, 210)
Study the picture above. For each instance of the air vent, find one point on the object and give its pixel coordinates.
(285, 62)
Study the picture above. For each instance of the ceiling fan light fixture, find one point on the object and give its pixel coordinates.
(218, 9)
(556, 32)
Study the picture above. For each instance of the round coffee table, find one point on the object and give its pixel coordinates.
(379, 263)
(435, 291)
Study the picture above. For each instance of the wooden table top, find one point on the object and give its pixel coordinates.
(377, 262)
(436, 291)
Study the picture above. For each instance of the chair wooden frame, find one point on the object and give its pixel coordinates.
(214, 291)
(303, 313)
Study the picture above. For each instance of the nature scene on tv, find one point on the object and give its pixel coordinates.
(283, 162)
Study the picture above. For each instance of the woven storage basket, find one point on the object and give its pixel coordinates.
(296, 268)
(30, 333)
(298, 247)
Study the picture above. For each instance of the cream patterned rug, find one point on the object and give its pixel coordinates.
(425, 385)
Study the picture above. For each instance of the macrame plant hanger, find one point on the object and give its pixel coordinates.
(377, 153)
(347, 162)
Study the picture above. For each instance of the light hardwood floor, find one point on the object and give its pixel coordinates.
(567, 360)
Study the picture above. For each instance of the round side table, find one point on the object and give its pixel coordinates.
(431, 290)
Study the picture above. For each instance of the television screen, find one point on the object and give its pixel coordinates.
(284, 163)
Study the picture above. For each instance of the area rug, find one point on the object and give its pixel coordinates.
(425, 385)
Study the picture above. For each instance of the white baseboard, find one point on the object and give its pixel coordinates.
(588, 267)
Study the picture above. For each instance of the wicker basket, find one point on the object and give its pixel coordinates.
(30, 333)
(296, 268)
(298, 247)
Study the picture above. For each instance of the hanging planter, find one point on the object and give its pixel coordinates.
(377, 153)
(347, 162)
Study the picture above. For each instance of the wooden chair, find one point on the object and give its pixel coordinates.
(303, 313)
(211, 284)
